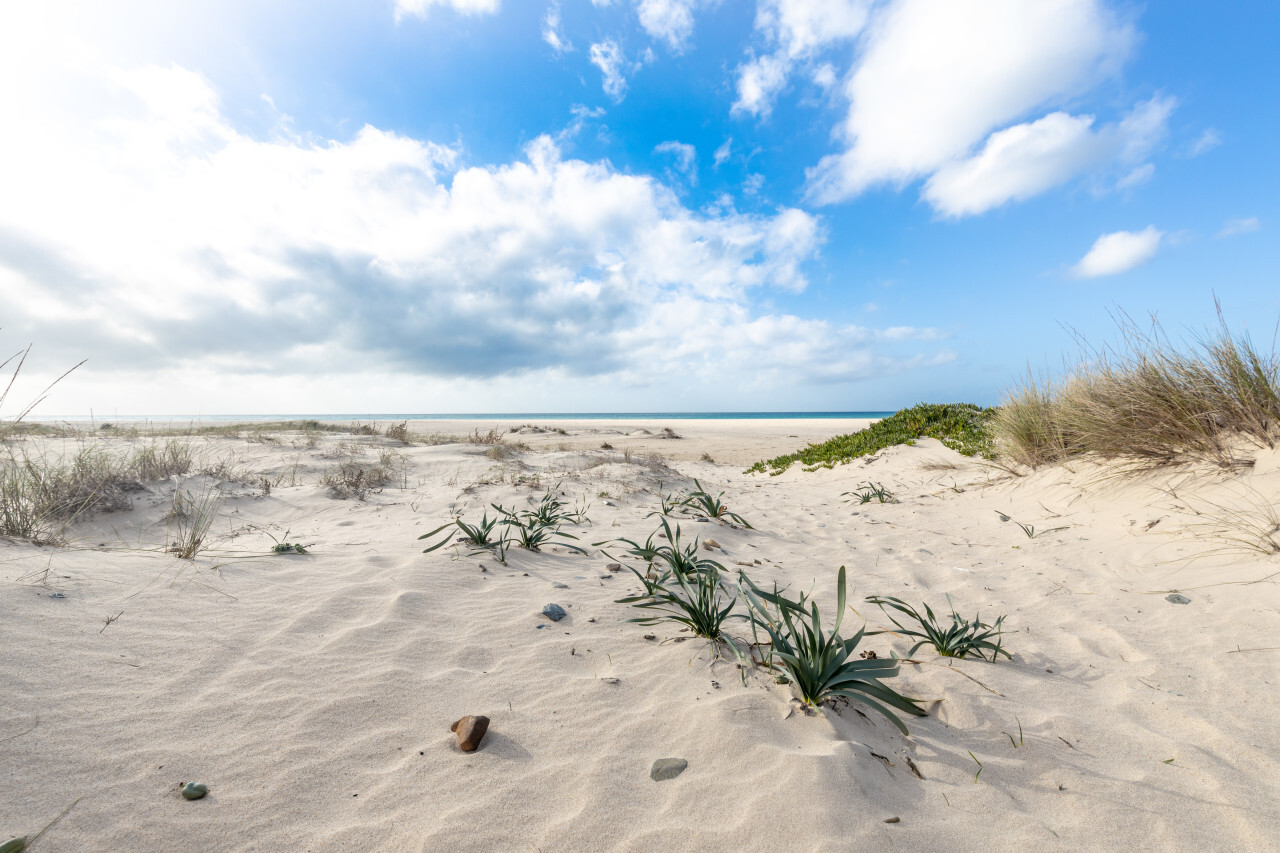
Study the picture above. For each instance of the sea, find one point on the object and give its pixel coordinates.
(468, 416)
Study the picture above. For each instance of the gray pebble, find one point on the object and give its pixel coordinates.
(667, 768)
(558, 585)
(1174, 598)
(554, 612)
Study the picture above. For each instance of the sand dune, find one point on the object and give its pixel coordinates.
(313, 692)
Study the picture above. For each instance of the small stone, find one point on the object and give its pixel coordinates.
(470, 731)
(650, 637)
(710, 543)
(893, 820)
(1174, 598)
(667, 768)
(558, 585)
(703, 520)
(194, 790)
(614, 567)
(554, 612)
(608, 679)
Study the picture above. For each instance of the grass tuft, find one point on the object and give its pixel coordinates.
(963, 638)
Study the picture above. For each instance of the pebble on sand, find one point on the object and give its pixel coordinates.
(667, 768)
(470, 731)
(554, 612)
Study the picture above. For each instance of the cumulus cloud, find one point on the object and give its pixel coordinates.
(1025, 160)
(933, 81)
(608, 57)
(419, 8)
(797, 30)
(1119, 252)
(667, 20)
(1245, 225)
(141, 228)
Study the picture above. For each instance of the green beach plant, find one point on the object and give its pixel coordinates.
(820, 664)
(960, 426)
(964, 637)
(868, 492)
(702, 503)
(696, 599)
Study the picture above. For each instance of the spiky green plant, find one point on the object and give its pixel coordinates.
(963, 638)
(687, 590)
(821, 665)
(703, 503)
(479, 536)
(868, 492)
(670, 503)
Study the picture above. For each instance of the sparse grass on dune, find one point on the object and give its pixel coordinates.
(1148, 403)
(41, 494)
(960, 426)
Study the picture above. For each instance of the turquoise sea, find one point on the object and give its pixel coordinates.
(479, 416)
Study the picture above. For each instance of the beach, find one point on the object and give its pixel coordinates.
(313, 691)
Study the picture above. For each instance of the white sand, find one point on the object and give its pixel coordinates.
(313, 694)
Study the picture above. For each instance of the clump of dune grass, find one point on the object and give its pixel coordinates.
(1149, 403)
(960, 426)
(399, 432)
(41, 494)
(355, 479)
(193, 517)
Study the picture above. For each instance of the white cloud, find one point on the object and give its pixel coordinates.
(1119, 252)
(608, 57)
(935, 78)
(753, 183)
(551, 30)
(1025, 160)
(824, 75)
(419, 8)
(759, 82)
(1245, 225)
(724, 152)
(1137, 177)
(667, 20)
(686, 158)
(798, 29)
(1206, 141)
(141, 228)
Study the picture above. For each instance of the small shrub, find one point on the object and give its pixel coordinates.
(399, 432)
(963, 638)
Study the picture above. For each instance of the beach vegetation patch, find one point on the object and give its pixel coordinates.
(960, 639)
(1148, 402)
(868, 492)
(821, 665)
(963, 427)
(684, 588)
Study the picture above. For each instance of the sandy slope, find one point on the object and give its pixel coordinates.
(314, 693)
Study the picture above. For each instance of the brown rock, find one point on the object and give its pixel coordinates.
(470, 731)
(710, 544)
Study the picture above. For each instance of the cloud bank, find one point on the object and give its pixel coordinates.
(145, 231)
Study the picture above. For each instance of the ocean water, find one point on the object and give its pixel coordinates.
(531, 417)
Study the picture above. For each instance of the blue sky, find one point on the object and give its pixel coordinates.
(635, 205)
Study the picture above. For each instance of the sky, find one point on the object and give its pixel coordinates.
(431, 206)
